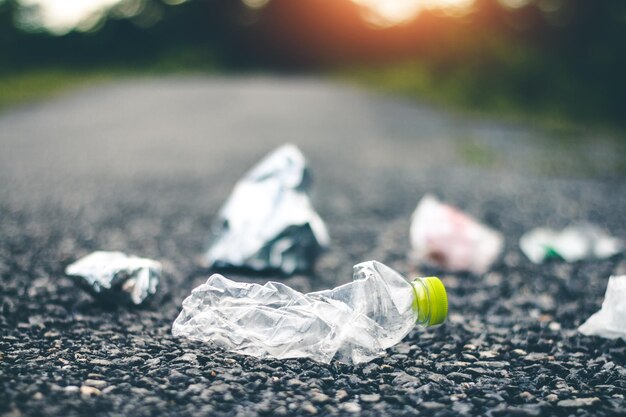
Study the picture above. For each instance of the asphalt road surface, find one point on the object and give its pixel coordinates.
(143, 167)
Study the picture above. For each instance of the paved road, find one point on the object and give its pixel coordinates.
(143, 166)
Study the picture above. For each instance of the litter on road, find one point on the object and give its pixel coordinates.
(268, 222)
(117, 278)
(352, 323)
(444, 236)
(609, 321)
(574, 243)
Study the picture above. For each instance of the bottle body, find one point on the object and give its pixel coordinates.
(352, 323)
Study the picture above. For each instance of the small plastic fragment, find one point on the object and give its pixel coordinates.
(574, 243)
(609, 321)
(352, 323)
(444, 236)
(117, 278)
(268, 223)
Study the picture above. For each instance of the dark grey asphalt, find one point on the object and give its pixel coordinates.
(143, 166)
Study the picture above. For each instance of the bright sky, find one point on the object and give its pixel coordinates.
(60, 16)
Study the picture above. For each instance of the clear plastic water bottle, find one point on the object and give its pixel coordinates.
(352, 323)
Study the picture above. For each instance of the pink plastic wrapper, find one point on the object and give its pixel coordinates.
(444, 236)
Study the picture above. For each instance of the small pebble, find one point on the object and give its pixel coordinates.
(370, 398)
(95, 383)
(535, 357)
(432, 405)
(341, 395)
(88, 391)
(578, 402)
(351, 407)
(308, 407)
(554, 326)
(320, 398)
(488, 354)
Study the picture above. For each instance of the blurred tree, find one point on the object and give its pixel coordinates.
(9, 35)
(561, 54)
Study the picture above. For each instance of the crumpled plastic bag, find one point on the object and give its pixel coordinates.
(444, 236)
(574, 243)
(610, 321)
(117, 278)
(268, 223)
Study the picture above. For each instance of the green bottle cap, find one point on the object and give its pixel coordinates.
(431, 301)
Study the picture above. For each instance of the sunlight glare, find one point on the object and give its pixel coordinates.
(255, 4)
(393, 12)
(61, 16)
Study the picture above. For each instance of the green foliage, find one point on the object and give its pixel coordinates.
(33, 85)
(18, 87)
(495, 76)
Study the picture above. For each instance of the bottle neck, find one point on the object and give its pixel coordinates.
(421, 302)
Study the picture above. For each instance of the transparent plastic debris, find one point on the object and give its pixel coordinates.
(444, 236)
(117, 278)
(352, 323)
(574, 243)
(609, 321)
(268, 222)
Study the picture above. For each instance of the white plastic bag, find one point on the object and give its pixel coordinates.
(610, 321)
(574, 243)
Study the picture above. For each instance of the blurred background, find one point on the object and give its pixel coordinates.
(556, 62)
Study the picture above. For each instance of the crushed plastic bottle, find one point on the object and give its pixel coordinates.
(574, 243)
(444, 236)
(352, 323)
(117, 278)
(609, 321)
(268, 222)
